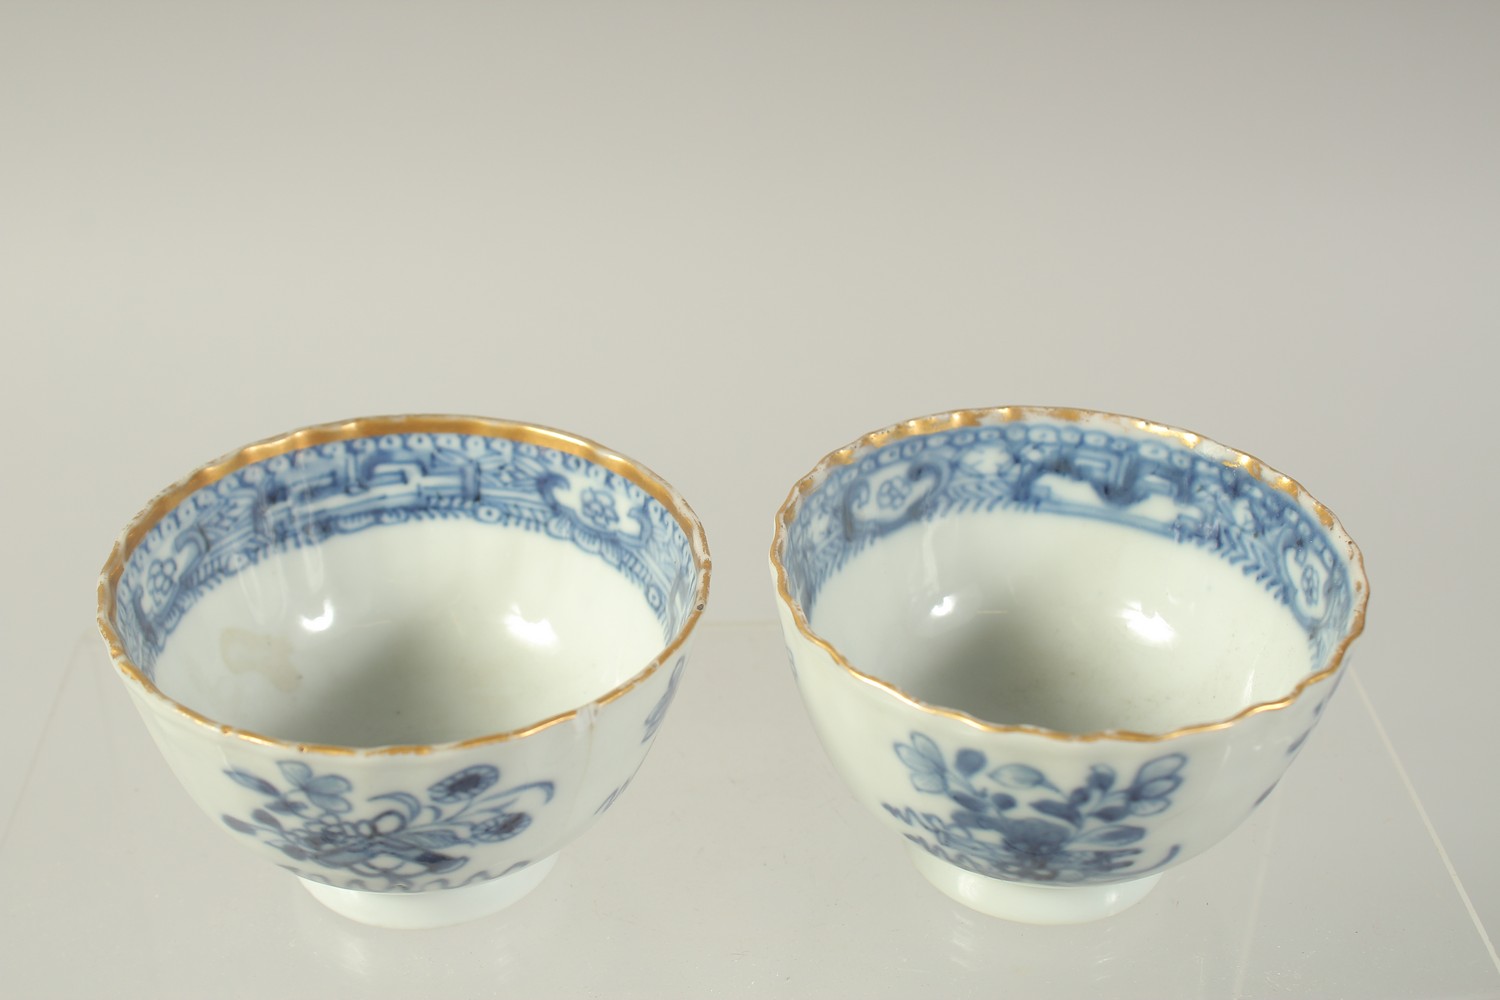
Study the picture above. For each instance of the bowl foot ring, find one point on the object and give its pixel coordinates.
(438, 908)
(1031, 904)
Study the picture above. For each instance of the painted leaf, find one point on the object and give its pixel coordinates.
(969, 802)
(265, 819)
(1018, 776)
(329, 803)
(327, 784)
(1159, 788)
(1061, 810)
(426, 840)
(344, 857)
(296, 772)
(444, 865)
(1111, 836)
(238, 825)
(969, 761)
(502, 827)
(928, 749)
(1161, 767)
(1149, 807)
(253, 783)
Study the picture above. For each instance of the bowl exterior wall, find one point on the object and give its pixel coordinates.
(412, 822)
(1031, 807)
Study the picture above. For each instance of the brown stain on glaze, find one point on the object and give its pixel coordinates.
(246, 652)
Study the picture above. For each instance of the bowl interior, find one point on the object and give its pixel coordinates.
(405, 589)
(1079, 576)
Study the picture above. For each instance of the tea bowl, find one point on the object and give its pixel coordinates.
(407, 658)
(1059, 651)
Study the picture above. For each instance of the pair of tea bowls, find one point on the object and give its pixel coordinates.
(411, 658)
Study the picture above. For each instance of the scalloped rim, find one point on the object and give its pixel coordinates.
(955, 419)
(365, 427)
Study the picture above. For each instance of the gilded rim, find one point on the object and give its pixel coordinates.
(936, 423)
(365, 427)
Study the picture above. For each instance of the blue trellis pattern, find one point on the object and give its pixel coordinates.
(300, 498)
(1147, 484)
(401, 841)
(1082, 835)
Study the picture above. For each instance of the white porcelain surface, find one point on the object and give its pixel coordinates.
(1031, 904)
(408, 659)
(1057, 651)
(745, 872)
(433, 909)
(1275, 222)
(1064, 623)
(364, 640)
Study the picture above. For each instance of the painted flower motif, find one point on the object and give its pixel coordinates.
(987, 460)
(501, 827)
(465, 784)
(1073, 836)
(405, 840)
(160, 578)
(892, 493)
(598, 508)
(1311, 583)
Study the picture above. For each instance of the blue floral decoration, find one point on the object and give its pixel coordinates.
(1078, 836)
(399, 844)
(598, 508)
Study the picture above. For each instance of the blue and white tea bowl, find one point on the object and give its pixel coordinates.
(1056, 650)
(408, 658)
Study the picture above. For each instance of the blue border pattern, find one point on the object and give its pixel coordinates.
(300, 498)
(1149, 484)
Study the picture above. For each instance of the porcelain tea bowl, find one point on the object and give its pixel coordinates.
(1059, 651)
(407, 658)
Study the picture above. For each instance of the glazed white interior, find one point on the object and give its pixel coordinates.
(422, 632)
(1074, 624)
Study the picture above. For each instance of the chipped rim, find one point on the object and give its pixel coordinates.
(956, 419)
(364, 427)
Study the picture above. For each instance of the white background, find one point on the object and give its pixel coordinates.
(728, 238)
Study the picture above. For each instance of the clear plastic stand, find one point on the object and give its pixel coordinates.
(736, 864)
